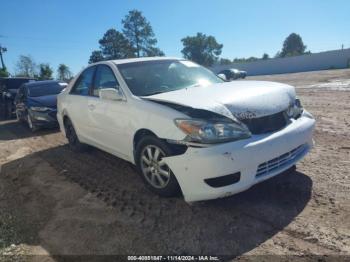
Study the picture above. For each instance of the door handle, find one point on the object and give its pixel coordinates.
(91, 107)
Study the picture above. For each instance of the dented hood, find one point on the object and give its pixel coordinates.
(241, 99)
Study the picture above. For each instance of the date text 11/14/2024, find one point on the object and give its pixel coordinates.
(173, 258)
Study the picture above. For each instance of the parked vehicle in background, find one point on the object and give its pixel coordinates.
(36, 103)
(184, 127)
(232, 74)
(8, 91)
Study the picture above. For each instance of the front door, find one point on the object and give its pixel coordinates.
(108, 118)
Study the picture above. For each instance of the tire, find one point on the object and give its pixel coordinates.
(31, 125)
(3, 110)
(73, 140)
(19, 119)
(156, 174)
(8, 110)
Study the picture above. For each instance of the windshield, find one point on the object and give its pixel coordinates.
(154, 77)
(46, 89)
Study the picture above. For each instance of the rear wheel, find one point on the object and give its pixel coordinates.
(72, 137)
(155, 172)
(3, 110)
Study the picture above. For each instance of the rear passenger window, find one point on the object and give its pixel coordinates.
(104, 78)
(81, 87)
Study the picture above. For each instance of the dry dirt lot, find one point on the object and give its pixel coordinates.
(56, 202)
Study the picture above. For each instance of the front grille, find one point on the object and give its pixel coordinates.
(281, 161)
(266, 124)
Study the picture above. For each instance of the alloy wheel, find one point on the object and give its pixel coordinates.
(154, 168)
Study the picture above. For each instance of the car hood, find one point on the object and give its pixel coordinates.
(240, 99)
(47, 101)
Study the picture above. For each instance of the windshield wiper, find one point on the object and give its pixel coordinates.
(155, 93)
(194, 85)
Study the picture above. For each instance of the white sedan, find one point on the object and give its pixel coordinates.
(184, 128)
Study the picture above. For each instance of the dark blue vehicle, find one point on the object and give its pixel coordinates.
(36, 103)
(8, 90)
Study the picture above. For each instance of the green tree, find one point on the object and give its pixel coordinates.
(63, 73)
(3, 72)
(96, 56)
(293, 45)
(45, 72)
(201, 48)
(277, 55)
(114, 45)
(26, 66)
(154, 51)
(225, 61)
(140, 34)
(265, 56)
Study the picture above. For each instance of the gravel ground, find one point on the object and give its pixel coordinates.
(56, 202)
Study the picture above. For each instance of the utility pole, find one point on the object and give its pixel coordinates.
(2, 50)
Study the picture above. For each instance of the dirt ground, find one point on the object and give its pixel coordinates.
(56, 202)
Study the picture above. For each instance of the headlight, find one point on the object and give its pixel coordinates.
(8, 94)
(39, 108)
(212, 131)
(295, 109)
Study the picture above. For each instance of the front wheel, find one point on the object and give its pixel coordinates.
(31, 125)
(155, 172)
(19, 118)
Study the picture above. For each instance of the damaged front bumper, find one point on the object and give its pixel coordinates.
(44, 119)
(244, 163)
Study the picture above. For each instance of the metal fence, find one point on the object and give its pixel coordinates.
(335, 59)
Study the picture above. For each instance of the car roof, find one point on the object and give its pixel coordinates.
(143, 59)
(15, 82)
(17, 78)
(44, 82)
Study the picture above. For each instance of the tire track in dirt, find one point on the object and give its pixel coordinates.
(115, 182)
(133, 209)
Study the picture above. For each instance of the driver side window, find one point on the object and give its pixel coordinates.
(104, 78)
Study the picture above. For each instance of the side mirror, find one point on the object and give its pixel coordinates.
(222, 76)
(111, 94)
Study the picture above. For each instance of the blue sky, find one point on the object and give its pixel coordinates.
(63, 31)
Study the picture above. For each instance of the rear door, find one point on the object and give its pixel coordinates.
(77, 103)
